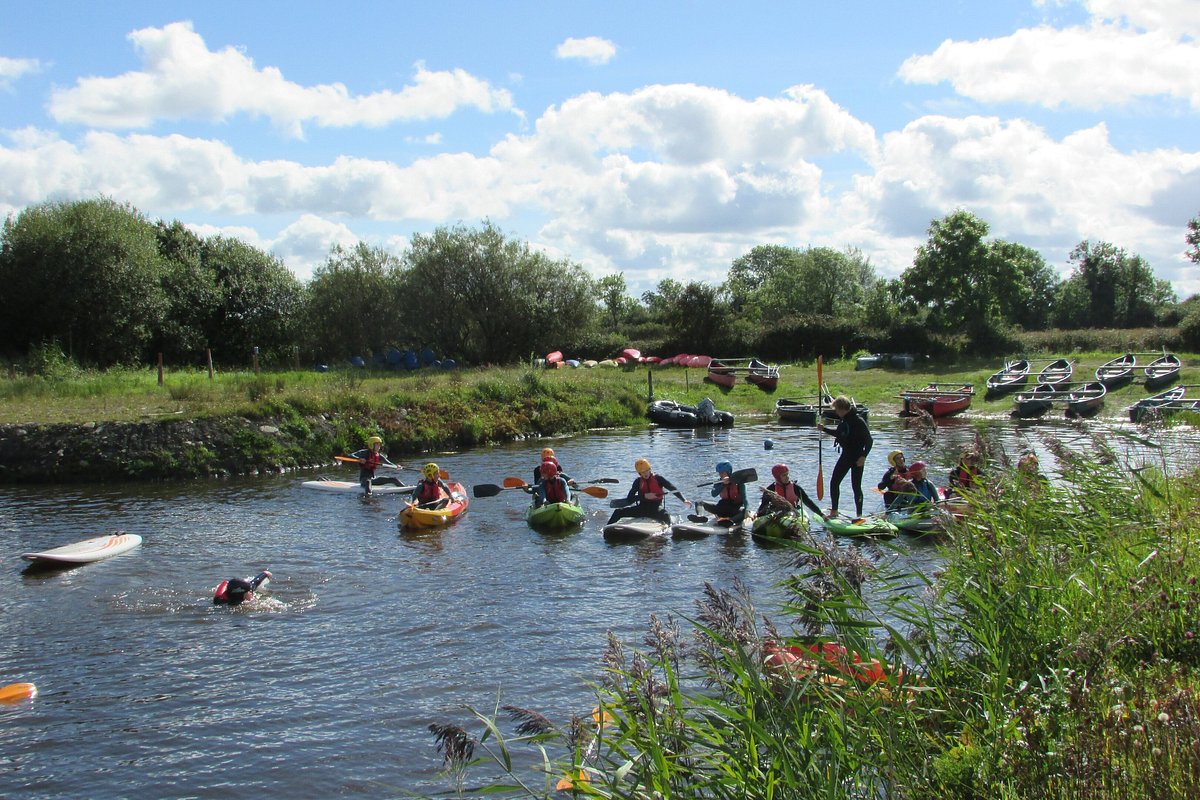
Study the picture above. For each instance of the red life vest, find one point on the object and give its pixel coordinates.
(787, 492)
(556, 490)
(650, 486)
(732, 492)
(428, 491)
(372, 460)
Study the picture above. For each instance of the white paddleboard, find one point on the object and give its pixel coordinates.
(634, 529)
(88, 550)
(700, 530)
(355, 486)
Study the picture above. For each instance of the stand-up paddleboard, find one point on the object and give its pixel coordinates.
(16, 692)
(714, 526)
(632, 530)
(327, 485)
(88, 550)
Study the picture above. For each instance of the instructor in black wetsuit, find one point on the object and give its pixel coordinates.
(853, 437)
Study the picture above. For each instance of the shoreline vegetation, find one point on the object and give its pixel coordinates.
(120, 424)
(1054, 656)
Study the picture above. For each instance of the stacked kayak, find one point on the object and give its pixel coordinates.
(876, 527)
(414, 517)
(554, 516)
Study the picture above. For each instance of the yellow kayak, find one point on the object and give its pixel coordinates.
(413, 516)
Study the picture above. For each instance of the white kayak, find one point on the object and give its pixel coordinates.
(632, 530)
(88, 550)
(327, 485)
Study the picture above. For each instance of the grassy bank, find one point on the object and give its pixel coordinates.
(1056, 656)
(614, 395)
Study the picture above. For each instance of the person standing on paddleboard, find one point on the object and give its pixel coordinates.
(731, 496)
(235, 591)
(786, 495)
(369, 460)
(645, 498)
(853, 437)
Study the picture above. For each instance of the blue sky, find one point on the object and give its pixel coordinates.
(652, 139)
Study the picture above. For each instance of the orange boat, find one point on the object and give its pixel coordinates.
(832, 665)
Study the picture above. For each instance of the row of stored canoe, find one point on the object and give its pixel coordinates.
(1162, 371)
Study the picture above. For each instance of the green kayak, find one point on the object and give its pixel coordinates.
(917, 521)
(554, 516)
(771, 528)
(868, 527)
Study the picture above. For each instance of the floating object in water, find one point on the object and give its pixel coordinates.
(16, 692)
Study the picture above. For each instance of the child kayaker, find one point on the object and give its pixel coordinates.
(646, 495)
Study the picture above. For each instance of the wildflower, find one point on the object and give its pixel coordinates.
(1164, 718)
(1138, 729)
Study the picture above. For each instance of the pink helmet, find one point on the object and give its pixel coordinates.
(778, 471)
(549, 469)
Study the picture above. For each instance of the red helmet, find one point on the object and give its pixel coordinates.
(778, 471)
(549, 469)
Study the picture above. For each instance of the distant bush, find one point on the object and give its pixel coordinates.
(1108, 340)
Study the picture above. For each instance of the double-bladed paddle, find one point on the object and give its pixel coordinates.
(747, 475)
(491, 489)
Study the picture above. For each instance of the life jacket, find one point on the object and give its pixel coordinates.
(372, 460)
(787, 492)
(428, 491)
(731, 492)
(556, 490)
(650, 486)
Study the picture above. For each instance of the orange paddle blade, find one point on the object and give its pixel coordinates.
(514, 483)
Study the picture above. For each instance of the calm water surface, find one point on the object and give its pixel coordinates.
(326, 685)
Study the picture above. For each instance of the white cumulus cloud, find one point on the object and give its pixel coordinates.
(591, 49)
(13, 68)
(183, 79)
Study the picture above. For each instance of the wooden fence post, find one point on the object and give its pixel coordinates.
(208, 352)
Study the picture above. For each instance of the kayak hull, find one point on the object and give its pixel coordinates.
(325, 485)
(87, 551)
(635, 530)
(772, 528)
(702, 530)
(413, 517)
(878, 528)
(554, 516)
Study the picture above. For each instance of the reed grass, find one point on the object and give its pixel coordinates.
(1054, 656)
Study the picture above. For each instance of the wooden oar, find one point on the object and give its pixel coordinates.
(821, 437)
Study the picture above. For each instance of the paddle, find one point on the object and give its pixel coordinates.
(491, 489)
(821, 439)
(747, 475)
(353, 460)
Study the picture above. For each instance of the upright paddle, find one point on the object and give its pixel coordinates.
(821, 437)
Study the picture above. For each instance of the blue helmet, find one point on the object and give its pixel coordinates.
(724, 466)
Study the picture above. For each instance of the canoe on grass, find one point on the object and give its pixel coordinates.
(1162, 371)
(1118, 372)
(937, 400)
(1086, 398)
(1056, 372)
(413, 516)
(1012, 376)
(1146, 406)
(1036, 401)
(554, 516)
(720, 374)
(763, 375)
(796, 411)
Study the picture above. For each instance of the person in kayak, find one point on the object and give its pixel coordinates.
(646, 495)
(786, 495)
(853, 437)
(896, 466)
(552, 488)
(428, 493)
(965, 476)
(235, 591)
(548, 455)
(914, 488)
(731, 496)
(370, 459)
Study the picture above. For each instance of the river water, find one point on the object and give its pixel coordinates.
(327, 683)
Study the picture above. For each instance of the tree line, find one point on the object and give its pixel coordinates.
(107, 285)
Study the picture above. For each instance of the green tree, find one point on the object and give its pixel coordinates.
(1108, 287)
(697, 315)
(1193, 239)
(749, 273)
(191, 291)
(1032, 304)
(259, 301)
(614, 295)
(963, 283)
(84, 273)
(485, 298)
(353, 303)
